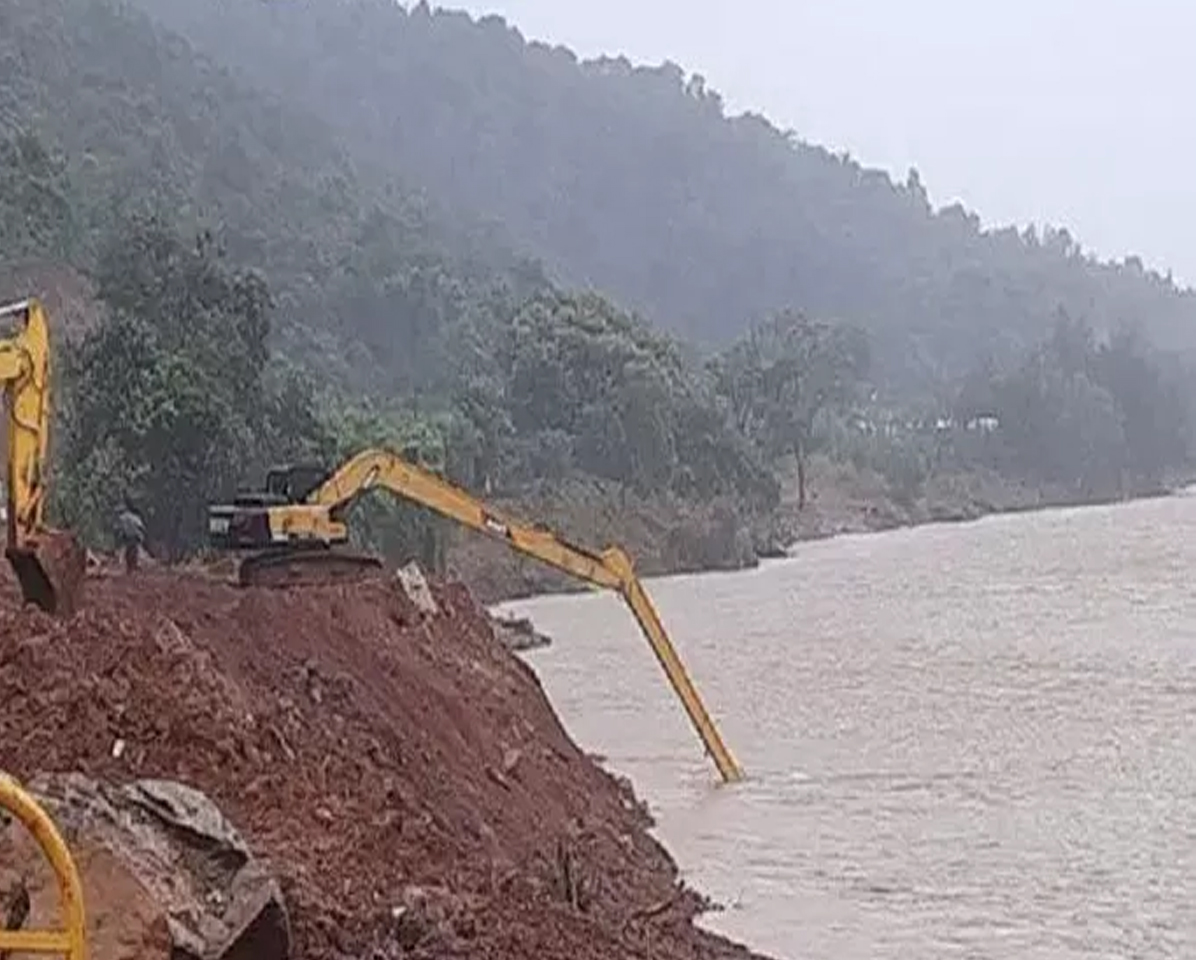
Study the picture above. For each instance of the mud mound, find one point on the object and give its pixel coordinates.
(402, 773)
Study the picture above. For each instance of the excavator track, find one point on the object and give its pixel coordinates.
(306, 567)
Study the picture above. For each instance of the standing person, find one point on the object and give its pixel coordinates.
(131, 533)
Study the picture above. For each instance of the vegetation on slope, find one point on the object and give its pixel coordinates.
(635, 182)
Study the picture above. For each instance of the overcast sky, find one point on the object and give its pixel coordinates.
(1080, 113)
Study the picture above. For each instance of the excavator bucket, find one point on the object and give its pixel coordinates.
(50, 569)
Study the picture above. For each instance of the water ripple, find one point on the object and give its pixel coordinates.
(963, 741)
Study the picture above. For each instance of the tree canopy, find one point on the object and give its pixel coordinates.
(167, 397)
(783, 374)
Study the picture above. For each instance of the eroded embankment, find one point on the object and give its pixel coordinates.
(362, 747)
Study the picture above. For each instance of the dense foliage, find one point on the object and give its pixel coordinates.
(167, 398)
(635, 182)
(37, 206)
(1101, 417)
(139, 121)
(783, 374)
(1094, 418)
(173, 396)
(573, 384)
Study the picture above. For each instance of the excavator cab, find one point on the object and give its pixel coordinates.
(285, 485)
(294, 482)
(278, 517)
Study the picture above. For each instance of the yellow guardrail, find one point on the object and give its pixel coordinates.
(67, 942)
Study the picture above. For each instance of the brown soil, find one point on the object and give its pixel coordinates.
(404, 775)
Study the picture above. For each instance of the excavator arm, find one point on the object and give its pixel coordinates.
(24, 371)
(49, 564)
(611, 569)
(293, 522)
(379, 468)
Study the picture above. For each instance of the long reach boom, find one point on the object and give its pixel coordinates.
(301, 510)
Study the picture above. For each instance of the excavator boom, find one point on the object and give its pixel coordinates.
(379, 468)
(304, 531)
(49, 564)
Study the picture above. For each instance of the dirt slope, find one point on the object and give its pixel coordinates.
(404, 774)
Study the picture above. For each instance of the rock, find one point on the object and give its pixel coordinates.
(123, 921)
(772, 550)
(518, 633)
(426, 917)
(417, 588)
(165, 875)
(512, 756)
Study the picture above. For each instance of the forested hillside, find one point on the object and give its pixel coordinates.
(633, 181)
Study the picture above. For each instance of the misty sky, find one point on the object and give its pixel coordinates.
(1077, 112)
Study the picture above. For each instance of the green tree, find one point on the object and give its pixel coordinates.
(1093, 415)
(637, 413)
(396, 528)
(37, 201)
(787, 371)
(167, 397)
(1155, 400)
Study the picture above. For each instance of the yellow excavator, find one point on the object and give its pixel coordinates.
(49, 564)
(297, 531)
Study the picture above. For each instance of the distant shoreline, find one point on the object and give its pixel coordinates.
(1032, 506)
(837, 507)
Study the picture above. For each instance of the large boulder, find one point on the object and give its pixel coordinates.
(164, 874)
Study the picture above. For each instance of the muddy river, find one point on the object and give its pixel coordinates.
(969, 740)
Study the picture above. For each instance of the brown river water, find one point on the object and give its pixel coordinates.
(971, 740)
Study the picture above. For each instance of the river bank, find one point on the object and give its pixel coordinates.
(847, 501)
(668, 536)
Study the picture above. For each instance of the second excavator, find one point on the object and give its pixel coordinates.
(296, 529)
(49, 564)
